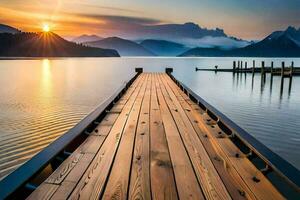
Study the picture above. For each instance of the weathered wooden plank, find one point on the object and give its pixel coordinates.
(117, 185)
(63, 170)
(117, 108)
(186, 180)
(210, 181)
(91, 145)
(258, 183)
(43, 192)
(63, 191)
(73, 168)
(262, 189)
(101, 130)
(162, 178)
(78, 170)
(91, 185)
(139, 187)
(232, 180)
(109, 119)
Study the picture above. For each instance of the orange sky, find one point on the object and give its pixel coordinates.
(103, 17)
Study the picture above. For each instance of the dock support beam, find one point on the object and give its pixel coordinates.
(234, 66)
(282, 70)
(241, 66)
(292, 69)
(263, 68)
(169, 70)
(139, 70)
(271, 69)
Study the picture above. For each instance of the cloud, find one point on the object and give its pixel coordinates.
(220, 42)
(116, 19)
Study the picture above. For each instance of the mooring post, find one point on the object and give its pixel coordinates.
(241, 66)
(139, 70)
(282, 79)
(262, 68)
(253, 67)
(169, 70)
(271, 69)
(246, 66)
(238, 68)
(292, 69)
(234, 66)
(282, 70)
(216, 68)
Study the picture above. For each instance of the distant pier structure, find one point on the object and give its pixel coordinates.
(242, 67)
(284, 70)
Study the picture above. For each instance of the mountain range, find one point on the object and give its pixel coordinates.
(86, 38)
(8, 29)
(46, 45)
(148, 47)
(163, 47)
(124, 47)
(186, 39)
(278, 44)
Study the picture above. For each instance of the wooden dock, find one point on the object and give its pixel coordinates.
(154, 139)
(155, 143)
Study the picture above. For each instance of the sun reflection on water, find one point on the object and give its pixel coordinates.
(46, 78)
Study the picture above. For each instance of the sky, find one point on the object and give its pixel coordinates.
(247, 19)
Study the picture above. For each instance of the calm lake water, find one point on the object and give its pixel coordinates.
(41, 99)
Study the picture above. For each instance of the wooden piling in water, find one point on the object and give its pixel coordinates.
(234, 66)
(272, 66)
(282, 70)
(263, 68)
(246, 66)
(253, 67)
(292, 69)
(241, 66)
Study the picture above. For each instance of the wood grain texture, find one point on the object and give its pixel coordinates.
(210, 181)
(163, 184)
(43, 192)
(117, 185)
(139, 187)
(155, 143)
(91, 185)
(186, 180)
(246, 170)
(230, 177)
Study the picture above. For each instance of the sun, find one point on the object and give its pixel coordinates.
(46, 28)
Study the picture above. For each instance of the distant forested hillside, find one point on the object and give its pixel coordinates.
(46, 45)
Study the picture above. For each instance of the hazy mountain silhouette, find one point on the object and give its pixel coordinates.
(189, 34)
(46, 45)
(86, 38)
(278, 44)
(187, 30)
(124, 47)
(8, 29)
(205, 52)
(163, 47)
(291, 33)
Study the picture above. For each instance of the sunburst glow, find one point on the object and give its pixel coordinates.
(46, 28)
